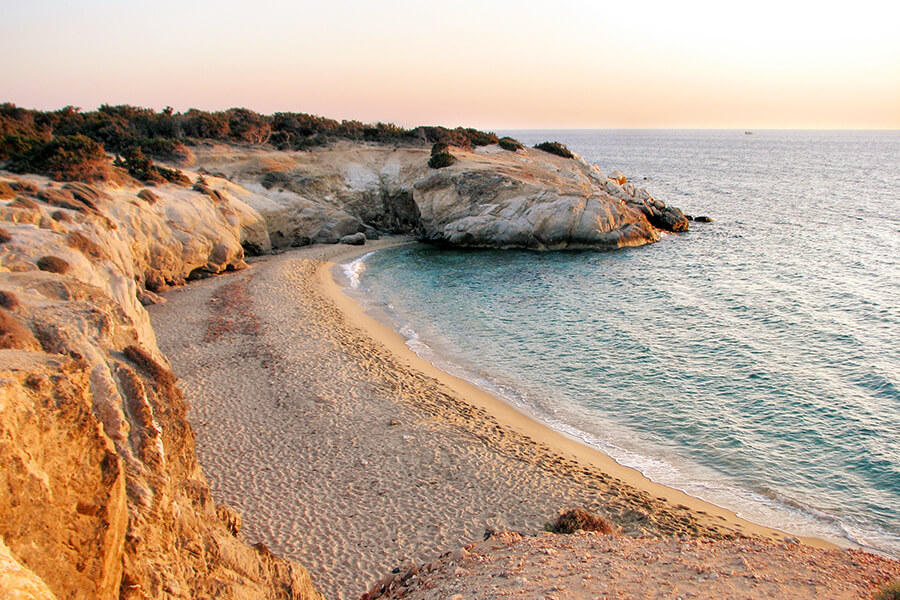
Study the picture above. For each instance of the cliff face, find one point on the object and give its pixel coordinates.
(102, 496)
(489, 198)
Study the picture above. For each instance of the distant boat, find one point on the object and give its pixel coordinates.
(748, 133)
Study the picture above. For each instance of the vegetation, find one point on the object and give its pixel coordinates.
(891, 591)
(6, 192)
(66, 157)
(53, 264)
(555, 148)
(439, 147)
(511, 144)
(441, 160)
(578, 519)
(14, 335)
(85, 245)
(68, 144)
(8, 300)
(142, 168)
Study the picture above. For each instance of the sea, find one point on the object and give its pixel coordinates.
(753, 361)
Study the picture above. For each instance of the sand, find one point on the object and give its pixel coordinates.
(345, 451)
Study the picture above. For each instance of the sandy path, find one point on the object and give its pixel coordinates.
(341, 455)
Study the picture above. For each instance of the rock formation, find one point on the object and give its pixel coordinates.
(489, 198)
(102, 495)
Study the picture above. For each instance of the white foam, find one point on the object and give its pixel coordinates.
(354, 269)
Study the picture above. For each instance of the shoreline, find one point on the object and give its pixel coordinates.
(345, 451)
(529, 425)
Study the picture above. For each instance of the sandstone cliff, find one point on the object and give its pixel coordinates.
(102, 495)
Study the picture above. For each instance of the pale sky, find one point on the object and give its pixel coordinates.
(488, 64)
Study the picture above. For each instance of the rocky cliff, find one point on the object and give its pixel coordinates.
(489, 197)
(102, 494)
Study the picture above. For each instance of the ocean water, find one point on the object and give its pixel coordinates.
(753, 361)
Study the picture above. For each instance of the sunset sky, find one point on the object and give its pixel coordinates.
(488, 64)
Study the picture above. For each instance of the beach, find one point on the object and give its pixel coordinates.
(345, 451)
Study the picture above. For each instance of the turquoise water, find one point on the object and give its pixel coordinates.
(753, 362)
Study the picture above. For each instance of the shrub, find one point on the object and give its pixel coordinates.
(85, 245)
(14, 335)
(25, 187)
(53, 264)
(167, 150)
(890, 591)
(163, 377)
(26, 203)
(8, 300)
(5, 236)
(439, 147)
(148, 196)
(140, 167)
(61, 217)
(173, 176)
(555, 148)
(65, 158)
(513, 145)
(6, 192)
(578, 519)
(275, 179)
(441, 160)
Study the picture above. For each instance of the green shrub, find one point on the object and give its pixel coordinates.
(142, 168)
(441, 160)
(513, 145)
(555, 148)
(65, 158)
(890, 591)
(439, 147)
(167, 150)
(53, 264)
(578, 519)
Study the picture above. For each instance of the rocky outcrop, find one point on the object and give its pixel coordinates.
(102, 495)
(489, 197)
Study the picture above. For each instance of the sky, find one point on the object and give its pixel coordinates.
(491, 64)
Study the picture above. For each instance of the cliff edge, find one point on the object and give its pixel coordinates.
(102, 494)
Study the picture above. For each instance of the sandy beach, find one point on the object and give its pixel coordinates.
(345, 451)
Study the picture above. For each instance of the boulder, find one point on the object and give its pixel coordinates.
(356, 239)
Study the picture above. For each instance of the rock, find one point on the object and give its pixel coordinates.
(356, 239)
(497, 199)
(114, 505)
(703, 219)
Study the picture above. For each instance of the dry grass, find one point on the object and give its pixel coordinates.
(53, 264)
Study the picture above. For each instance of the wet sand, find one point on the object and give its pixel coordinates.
(345, 451)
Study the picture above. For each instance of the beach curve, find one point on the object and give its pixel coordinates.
(346, 451)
